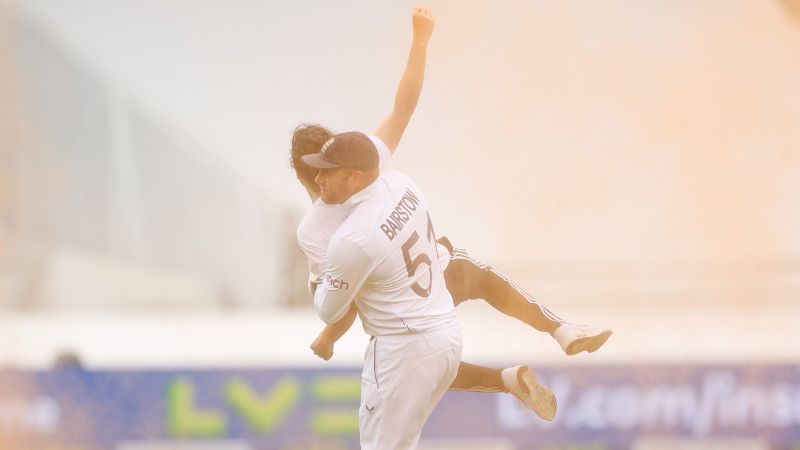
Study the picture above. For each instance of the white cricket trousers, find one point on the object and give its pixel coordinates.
(404, 377)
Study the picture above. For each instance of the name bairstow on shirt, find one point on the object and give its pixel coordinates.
(400, 215)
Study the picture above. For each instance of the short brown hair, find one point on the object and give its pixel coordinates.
(306, 140)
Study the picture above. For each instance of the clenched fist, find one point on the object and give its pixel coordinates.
(322, 347)
(423, 22)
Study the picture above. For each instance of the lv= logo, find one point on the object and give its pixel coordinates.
(331, 412)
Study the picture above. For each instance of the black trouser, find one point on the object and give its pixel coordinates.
(468, 279)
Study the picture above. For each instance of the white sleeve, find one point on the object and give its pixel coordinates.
(384, 154)
(347, 270)
(314, 280)
(315, 256)
(312, 249)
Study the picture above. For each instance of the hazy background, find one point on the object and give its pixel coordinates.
(634, 164)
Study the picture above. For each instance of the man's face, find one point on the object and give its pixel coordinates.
(336, 185)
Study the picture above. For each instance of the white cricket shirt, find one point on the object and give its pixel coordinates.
(399, 286)
(315, 230)
(314, 233)
(384, 257)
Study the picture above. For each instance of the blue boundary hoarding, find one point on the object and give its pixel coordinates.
(615, 407)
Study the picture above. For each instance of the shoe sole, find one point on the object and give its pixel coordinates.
(589, 343)
(540, 399)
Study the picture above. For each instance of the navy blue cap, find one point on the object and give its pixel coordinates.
(351, 149)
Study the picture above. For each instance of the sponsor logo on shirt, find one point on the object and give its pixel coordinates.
(333, 283)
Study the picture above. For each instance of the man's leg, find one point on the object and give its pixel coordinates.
(518, 381)
(404, 378)
(469, 279)
(472, 378)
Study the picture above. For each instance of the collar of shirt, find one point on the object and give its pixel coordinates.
(321, 202)
(361, 195)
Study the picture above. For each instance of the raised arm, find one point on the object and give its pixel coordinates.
(405, 101)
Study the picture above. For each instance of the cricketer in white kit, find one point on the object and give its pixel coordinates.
(384, 258)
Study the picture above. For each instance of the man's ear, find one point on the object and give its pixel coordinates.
(358, 177)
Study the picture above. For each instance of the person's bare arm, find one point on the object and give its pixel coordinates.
(323, 344)
(408, 91)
